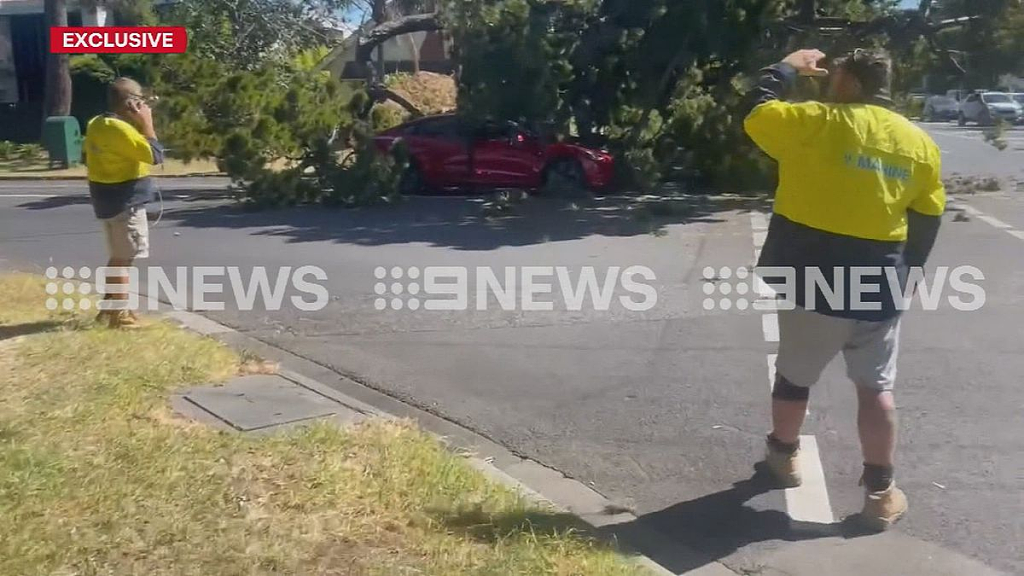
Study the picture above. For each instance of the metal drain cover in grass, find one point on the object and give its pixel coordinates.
(256, 402)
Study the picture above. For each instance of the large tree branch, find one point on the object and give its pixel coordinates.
(387, 30)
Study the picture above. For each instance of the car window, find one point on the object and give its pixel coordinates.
(1019, 98)
(973, 98)
(496, 131)
(447, 127)
(996, 98)
(942, 101)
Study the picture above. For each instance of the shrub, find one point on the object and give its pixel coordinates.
(7, 149)
(29, 152)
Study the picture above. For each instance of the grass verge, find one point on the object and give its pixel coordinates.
(39, 168)
(99, 477)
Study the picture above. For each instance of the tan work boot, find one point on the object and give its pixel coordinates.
(783, 466)
(123, 319)
(883, 509)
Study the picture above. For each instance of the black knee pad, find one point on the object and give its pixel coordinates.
(786, 390)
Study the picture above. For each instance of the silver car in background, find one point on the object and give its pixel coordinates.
(986, 108)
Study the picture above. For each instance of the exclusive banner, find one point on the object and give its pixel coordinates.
(118, 40)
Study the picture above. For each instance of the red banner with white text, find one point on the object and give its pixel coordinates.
(118, 40)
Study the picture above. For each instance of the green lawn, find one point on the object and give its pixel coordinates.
(100, 477)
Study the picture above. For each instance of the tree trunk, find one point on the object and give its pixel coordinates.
(57, 88)
(384, 32)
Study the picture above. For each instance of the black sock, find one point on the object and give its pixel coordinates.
(780, 446)
(878, 478)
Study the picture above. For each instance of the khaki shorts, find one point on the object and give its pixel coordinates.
(808, 341)
(127, 234)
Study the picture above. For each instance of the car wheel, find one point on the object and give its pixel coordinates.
(961, 119)
(412, 181)
(565, 176)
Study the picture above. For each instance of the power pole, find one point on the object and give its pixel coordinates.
(57, 88)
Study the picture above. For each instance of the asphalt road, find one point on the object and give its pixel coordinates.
(664, 409)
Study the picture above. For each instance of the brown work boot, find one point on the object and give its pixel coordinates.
(883, 509)
(123, 319)
(783, 465)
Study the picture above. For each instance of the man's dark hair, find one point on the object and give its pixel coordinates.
(120, 91)
(873, 69)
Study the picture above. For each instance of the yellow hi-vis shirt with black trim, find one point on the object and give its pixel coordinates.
(115, 151)
(850, 169)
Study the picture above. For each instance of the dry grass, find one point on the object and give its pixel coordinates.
(431, 93)
(40, 169)
(99, 477)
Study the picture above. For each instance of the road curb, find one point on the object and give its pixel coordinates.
(536, 482)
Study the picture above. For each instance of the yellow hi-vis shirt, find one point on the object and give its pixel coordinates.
(115, 151)
(850, 169)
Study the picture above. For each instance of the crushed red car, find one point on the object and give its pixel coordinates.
(445, 153)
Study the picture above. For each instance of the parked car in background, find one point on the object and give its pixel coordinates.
(445, 152)
(986, 108)
(940, 109)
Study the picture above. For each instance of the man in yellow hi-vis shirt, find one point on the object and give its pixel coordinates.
(860, 190)
(120, 147)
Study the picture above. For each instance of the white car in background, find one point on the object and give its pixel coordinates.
(986, 108)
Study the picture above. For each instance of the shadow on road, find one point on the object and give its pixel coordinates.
(462, 224)
(55, 202)
(680, 538)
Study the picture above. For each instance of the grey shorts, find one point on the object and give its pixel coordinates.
(808, 341)
(127, 234)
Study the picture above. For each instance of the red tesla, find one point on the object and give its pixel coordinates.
(445, 153)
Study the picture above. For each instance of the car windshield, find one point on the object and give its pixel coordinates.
(996, 98)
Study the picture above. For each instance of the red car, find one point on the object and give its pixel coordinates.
(444, 153)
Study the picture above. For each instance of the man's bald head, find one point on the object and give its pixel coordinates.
(121, 91)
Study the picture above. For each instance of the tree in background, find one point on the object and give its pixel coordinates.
(57, 89)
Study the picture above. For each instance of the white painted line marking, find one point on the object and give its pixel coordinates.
(771, 371)
(758, 221)
(770, 327)
(992, 220)
(809, 502)
(40, 196)
(759, 238)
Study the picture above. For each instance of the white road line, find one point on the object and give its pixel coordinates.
(770, 327)
(994, 221)
(759, 222)
(990, 220)
(809, 502)
(41, 195)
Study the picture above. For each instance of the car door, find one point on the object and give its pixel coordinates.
(441, 150)
(506, 155)
(972, 107)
